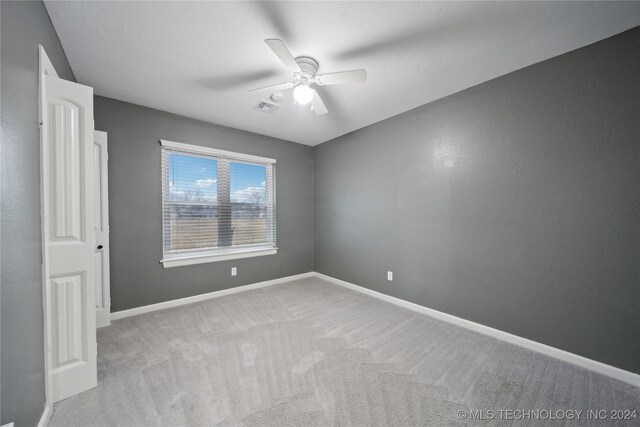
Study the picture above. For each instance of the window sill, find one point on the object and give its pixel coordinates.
(222, 256)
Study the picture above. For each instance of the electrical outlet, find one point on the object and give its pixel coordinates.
(234, 271)
(390, 276)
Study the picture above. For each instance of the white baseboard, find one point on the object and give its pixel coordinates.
(196, 298)
(592, 365)
(46, 415)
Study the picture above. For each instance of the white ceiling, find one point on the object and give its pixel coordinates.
(200, 59)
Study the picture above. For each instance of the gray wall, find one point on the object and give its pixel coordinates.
(514, 204)
(135, 212)
(24, 26)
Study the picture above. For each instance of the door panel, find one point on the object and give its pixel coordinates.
(69, 341)
(69, 200)
(66, 173)
(101, 219)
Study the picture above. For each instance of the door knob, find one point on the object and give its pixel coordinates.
(99, 247)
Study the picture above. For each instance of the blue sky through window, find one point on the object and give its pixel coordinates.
(247, 183)
(193, 178)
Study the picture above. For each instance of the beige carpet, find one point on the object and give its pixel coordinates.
(308, 353)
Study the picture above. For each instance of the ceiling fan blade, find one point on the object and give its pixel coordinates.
(281, 51)
(230, 81)
(318, 105)
(275, 88)
(274, 14)
(454, 28)
(342, 77)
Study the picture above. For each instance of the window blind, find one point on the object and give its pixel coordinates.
(216, 202)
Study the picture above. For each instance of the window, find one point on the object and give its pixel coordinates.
(216, 205)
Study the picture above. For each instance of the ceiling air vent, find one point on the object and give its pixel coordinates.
(266, 106)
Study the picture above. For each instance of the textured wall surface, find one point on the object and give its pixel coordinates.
(514, 204)
(137, 277)
(24, 26)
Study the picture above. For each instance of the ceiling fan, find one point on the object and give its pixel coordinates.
(304, 71)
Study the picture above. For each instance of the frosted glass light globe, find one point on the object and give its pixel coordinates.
(303, 94)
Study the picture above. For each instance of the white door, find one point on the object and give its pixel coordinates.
(68, 192)
(101, 223)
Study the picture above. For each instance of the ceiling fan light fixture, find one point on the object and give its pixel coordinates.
(302, 94)
(304, 73)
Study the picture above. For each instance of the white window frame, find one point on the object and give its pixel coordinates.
(225, 254)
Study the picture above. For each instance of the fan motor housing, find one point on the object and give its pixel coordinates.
(309, 67)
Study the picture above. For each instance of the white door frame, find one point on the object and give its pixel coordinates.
(103, 291)
(45, 69)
